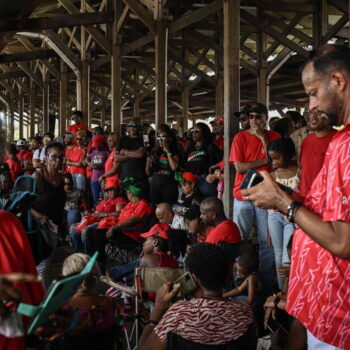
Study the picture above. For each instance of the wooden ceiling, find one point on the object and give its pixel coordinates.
(276, 36)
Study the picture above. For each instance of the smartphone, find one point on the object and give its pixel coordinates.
(187, 285)
(251, 179)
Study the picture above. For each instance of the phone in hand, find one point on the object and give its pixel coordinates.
(187, 285)
(251, 179)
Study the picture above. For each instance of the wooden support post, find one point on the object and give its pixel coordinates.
(231, 12)
(63, 98)
(320, 23)
(45, 120)
(261, 65)
(161, 45)
(85, 83)
(116, 88)
(103, 114)
(185, 108)
(11, 117)
(32, 109)
(137, 106)
(219, 96)
(20, 113)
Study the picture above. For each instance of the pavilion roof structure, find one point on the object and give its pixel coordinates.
(160, 60)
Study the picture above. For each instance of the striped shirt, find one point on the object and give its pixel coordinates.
(206, 321)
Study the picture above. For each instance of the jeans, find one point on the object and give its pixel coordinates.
(96, 190)
(127, 270)
(43, 269)
(245, 214)
(79, 182)
(79, 240)
(73, 217)
(280, 232)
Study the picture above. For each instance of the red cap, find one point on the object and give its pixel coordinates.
(218, 120)
(158, 230)
(98, 140)
(189, 177)
(111, 183)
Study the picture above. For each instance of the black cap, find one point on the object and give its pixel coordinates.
(244, 110)
(258, 108)
(4, 168)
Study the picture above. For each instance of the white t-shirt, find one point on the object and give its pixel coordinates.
(39, 154)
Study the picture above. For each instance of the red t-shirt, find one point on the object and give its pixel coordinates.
(75, 127)
(312, 154)
(16, 256)
(227, 231)
(24, 155)
(15, 168)
(110, 180)
(219, 142)
(68, 153)
(76, 155)
(141, 209)
(108, 205)
(245, 148)
(319, 287)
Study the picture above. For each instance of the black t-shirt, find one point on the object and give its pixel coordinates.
(162, 173)
(199, 159)
(194, 199)
(134, 167)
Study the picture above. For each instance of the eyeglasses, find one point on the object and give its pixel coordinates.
(161, 138)
(56, 158)
(196, 131)
(132, 125)
(47, 139)
(256, 116)
(315, 111)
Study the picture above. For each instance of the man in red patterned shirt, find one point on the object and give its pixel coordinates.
(319, 287)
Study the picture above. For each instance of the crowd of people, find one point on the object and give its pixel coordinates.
(279, 268)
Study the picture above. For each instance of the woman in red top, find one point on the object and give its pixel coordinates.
(77, 163)
(111, 167)
(13, 162)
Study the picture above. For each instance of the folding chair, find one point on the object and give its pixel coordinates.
(118, 253)
(147, 279)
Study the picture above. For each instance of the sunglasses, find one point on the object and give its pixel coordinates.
(56, 158)
(161, 138)
(256, 116)
(197, 131)
(132, 125)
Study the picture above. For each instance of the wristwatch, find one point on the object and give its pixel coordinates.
(292, 209)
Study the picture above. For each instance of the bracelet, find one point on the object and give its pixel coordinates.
(291, 210)
(169, 154)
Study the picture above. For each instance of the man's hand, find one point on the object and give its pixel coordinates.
(7, 291)
(270, 309)
(284, 270)
(267, 194)
(257, 131)
(164, 297)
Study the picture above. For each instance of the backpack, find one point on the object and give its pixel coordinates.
(19, 204)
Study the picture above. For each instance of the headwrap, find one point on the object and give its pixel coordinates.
(128, 185)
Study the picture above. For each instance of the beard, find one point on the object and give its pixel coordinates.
(333, 109)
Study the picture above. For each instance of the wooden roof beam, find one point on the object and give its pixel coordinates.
(94, 32)
(274, 34)
(286, 6)
(143, 14)
(12, 74)
(27, 56)
(55, 22)
(26, 69)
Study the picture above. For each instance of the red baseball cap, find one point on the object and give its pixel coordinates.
(97, 140)
(189, 177)
(218, 120)
(158, 230)
(111, 183)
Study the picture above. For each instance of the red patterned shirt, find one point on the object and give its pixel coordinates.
(206, 321)
(319, 286)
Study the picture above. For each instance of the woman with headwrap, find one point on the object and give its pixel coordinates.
(131, 215)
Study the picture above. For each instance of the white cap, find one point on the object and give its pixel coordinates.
(20, 143)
